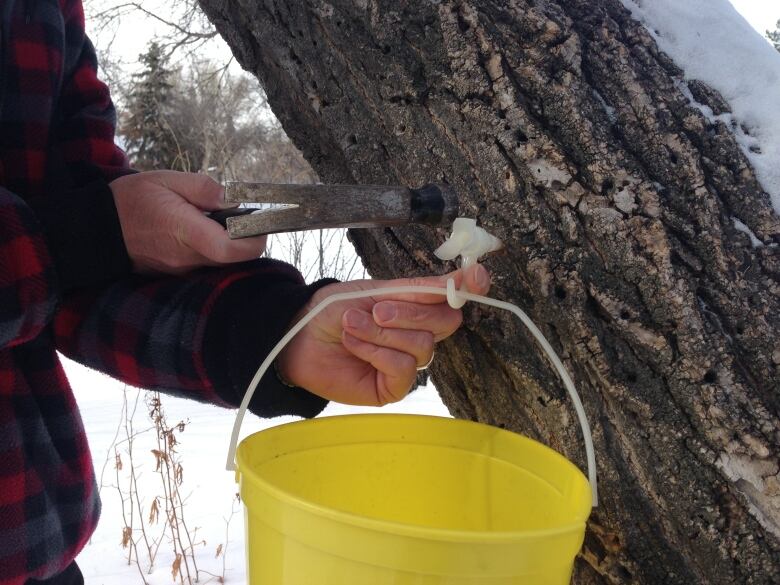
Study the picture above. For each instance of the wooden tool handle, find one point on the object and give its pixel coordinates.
(333, 206)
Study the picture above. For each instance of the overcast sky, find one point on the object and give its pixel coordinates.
(761, 14)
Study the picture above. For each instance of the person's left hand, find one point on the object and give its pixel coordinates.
(367, 351)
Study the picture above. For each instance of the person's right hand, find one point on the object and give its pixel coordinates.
(164, 226)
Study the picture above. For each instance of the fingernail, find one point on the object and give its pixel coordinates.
(355, 319)
(384, 312)
(481, 276)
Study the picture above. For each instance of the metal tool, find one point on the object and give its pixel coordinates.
(306, 207)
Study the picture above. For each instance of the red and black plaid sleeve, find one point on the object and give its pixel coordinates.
(201, 335)
(86, 114)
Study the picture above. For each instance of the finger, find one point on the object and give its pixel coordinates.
(396, 371)
(440, 320)
(211, 240)
(199, 189)
(477, 281)
(361, 325)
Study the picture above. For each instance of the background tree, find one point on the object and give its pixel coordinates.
(187, 31)
(569, 135)
(774, 36)
(149, 140)
(201, 117)
(218, 120)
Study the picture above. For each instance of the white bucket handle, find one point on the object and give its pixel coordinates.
(456, 298)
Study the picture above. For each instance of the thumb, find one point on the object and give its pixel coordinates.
(199, 189)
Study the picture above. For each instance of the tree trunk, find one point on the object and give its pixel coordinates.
(572, 138)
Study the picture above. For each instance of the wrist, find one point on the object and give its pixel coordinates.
(244, 324)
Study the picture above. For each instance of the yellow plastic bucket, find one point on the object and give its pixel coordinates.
(386, 499)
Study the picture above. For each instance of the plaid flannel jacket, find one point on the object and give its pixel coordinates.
(65, 284)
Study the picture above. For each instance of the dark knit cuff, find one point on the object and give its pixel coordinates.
(84, 236)
(244, 325)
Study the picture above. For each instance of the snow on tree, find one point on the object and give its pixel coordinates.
(639, 238)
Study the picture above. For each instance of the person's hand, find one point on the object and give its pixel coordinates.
(165, 229)
(367, 351)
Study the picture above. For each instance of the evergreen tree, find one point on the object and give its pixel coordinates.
(150, 141)
(774, 36)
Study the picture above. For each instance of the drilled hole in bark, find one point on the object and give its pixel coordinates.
(673, 157)
(402, 128)
(507, 127)
(740, 328)
(463, 25)
(352, 139)
(313, 42)
(560, 292)
(386, 49)
(338, 23)
(607, 186)
(521, 137)
(710, 377)
(625, 315)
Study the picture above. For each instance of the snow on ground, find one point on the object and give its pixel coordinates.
(203, 449)
(713, 43)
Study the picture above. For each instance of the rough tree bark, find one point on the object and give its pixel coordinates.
(571, 137)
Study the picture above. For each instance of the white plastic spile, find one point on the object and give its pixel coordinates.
(469, 241)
